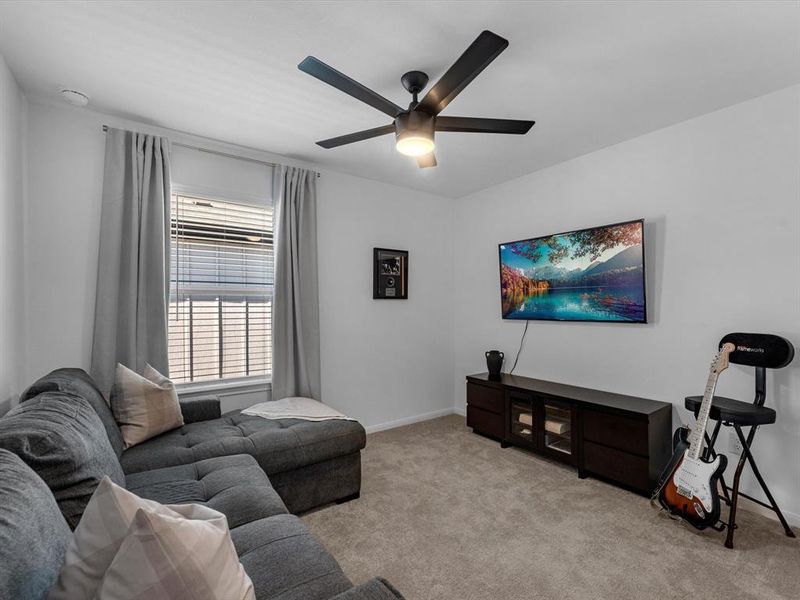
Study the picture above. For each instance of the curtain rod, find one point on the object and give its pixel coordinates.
(225, 154)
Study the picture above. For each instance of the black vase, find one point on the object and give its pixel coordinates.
(494, 362)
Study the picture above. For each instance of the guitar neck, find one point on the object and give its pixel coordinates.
(697, 436)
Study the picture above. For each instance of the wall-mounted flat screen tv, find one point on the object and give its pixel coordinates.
(595, 274)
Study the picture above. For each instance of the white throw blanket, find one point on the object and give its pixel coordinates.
(307, 409)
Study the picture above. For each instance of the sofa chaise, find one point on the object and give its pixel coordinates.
(309, 464)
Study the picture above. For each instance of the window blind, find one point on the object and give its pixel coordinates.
(221, 278)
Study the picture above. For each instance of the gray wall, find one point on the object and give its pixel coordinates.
(721, 197)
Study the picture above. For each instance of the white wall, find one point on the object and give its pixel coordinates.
(65, 180)
(385, 360)
(412, 376)
(721, 198)
(215, 176)
(12, 152)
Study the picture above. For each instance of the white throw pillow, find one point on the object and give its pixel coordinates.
(145, 405)
(116, 520)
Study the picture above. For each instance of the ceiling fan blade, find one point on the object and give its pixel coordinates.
(426, 160)
(480, 125)
(475, 59)
(317, 68)
(356, 137)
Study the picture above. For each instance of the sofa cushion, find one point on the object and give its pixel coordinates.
(60, 436)
(285, 562)
(321, 483)
(78, 383)
(233, 485)
(376, 588)
(277, 445)
(33, 533)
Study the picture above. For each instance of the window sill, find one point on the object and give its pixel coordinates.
(205, 387)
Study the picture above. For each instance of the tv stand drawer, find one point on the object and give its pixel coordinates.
(615, 431)
(616, 465)
(485, 422)
(486, 398)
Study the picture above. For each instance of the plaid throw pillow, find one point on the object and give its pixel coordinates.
(128, 547)
(144, 405)
(185, 555)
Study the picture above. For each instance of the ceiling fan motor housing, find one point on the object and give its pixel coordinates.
(415, 123)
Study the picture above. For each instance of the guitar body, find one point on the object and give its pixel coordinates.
(689, 489)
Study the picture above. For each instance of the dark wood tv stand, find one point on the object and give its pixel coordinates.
(622, 439)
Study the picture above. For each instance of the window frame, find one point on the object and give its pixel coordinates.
(231, 384)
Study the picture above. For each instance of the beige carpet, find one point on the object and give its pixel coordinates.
(445, 513)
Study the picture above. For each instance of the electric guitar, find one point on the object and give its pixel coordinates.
(689, 484)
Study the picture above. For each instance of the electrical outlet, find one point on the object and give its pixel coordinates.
(734, 443)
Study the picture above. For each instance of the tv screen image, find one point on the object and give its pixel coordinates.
(592, 274)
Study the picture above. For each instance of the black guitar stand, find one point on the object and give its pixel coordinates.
(738, 414)
(710, 454)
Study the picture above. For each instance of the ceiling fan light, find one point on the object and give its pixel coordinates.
(415, 131)
(415, 145)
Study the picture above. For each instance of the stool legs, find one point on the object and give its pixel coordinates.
(747, 456)
(757, 473)
(734, 501)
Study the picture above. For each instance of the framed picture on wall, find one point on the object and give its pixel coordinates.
(389, 274)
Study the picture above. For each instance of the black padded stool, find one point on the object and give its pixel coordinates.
(732, 411)
(761, 351)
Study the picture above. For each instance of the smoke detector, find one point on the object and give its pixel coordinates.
(74, 97)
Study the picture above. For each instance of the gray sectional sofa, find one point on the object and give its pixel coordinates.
(61, 439)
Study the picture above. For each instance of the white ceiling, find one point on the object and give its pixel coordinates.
(590, 74)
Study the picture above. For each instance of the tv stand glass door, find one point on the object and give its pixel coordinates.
(542, 423)
(522, 427)
(559, 430)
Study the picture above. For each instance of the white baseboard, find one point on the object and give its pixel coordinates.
(409, 420)
(791, 518)
(460, 410)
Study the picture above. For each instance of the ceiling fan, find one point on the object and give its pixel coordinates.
(415, 127)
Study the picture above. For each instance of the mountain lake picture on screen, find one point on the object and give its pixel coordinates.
(593, 274)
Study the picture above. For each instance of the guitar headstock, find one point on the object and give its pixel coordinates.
(720, 362)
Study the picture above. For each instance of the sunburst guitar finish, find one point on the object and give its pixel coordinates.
(689, 486)
(690, 491)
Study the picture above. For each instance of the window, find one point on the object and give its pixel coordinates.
(221, 277)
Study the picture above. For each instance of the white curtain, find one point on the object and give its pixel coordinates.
(130, 323)
(295, 305)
